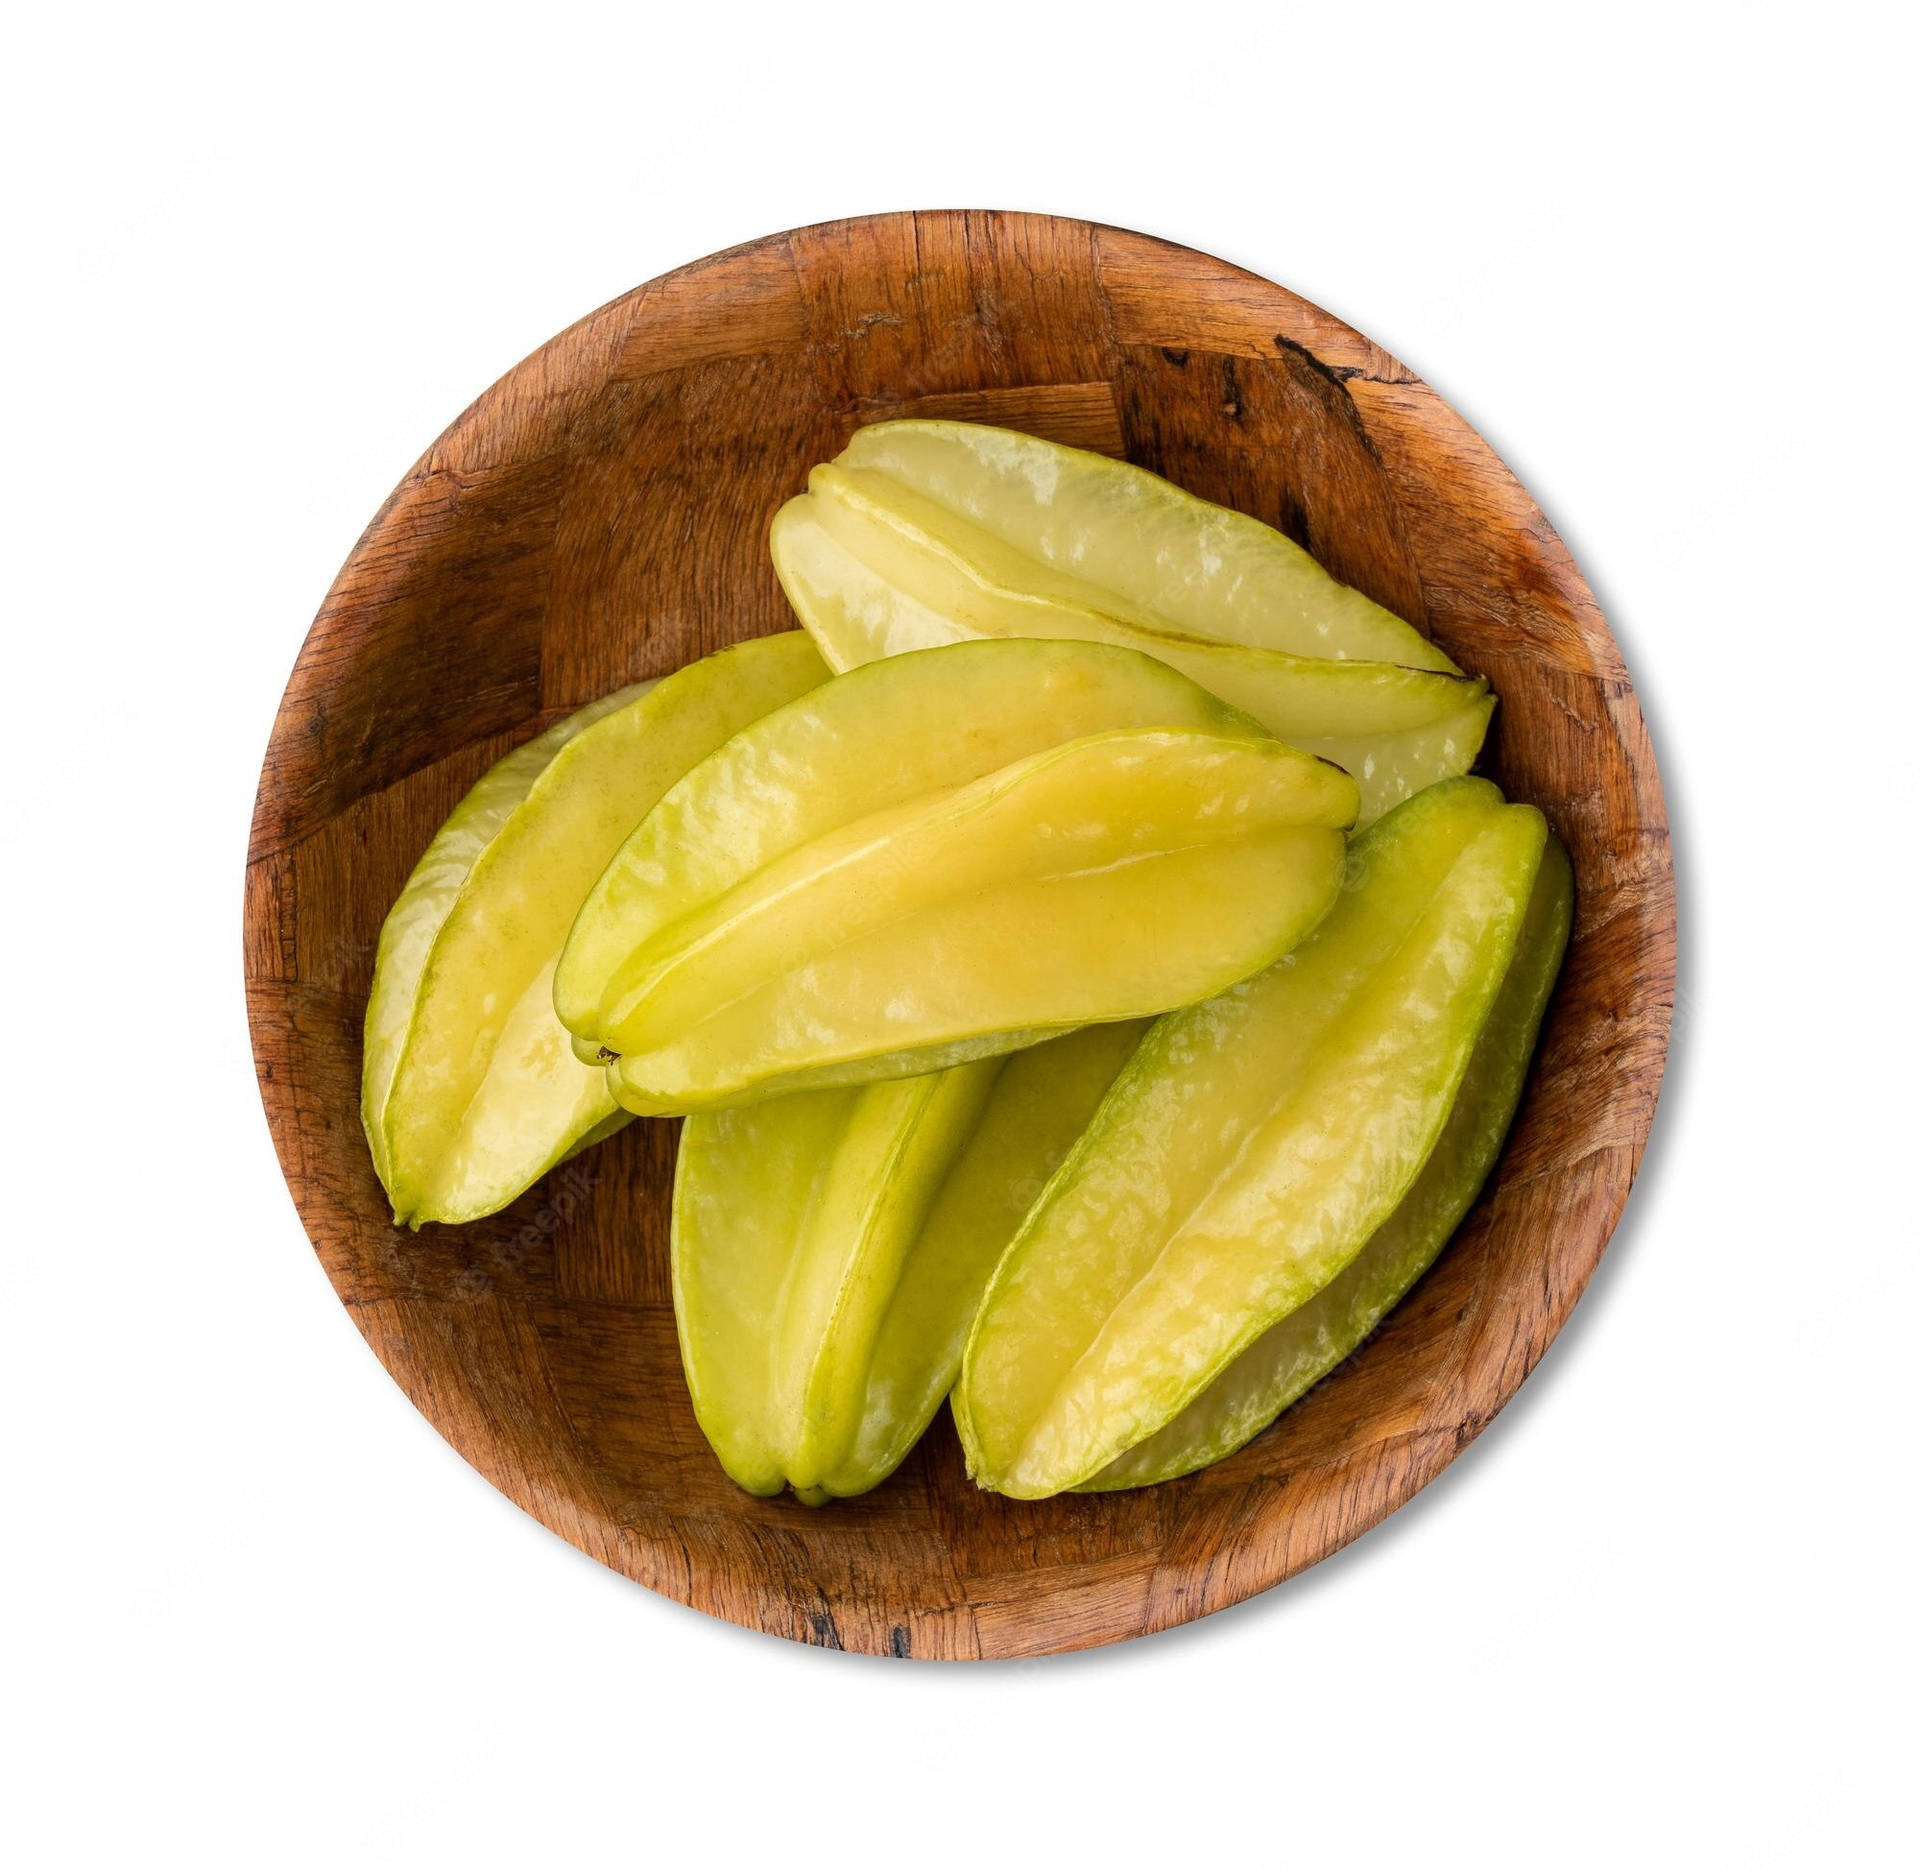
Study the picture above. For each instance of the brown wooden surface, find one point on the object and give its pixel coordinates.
(599, 516)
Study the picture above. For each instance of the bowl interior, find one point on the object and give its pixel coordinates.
(598, 517)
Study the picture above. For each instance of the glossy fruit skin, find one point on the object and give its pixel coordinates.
(792, 1222)
(829, 1249)
(1312, 1340)
(1131, 545)
(1042, 1099)
(879, 737)
(420, 911)
(1109, 878)
(470, 1089)
(883, 737)
(1249, 1151)
(874, 568)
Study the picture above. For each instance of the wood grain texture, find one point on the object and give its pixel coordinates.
(600, 515)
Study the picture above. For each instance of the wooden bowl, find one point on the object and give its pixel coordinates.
(600, 516)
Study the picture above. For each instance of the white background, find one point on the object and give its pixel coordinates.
(258, 1614)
